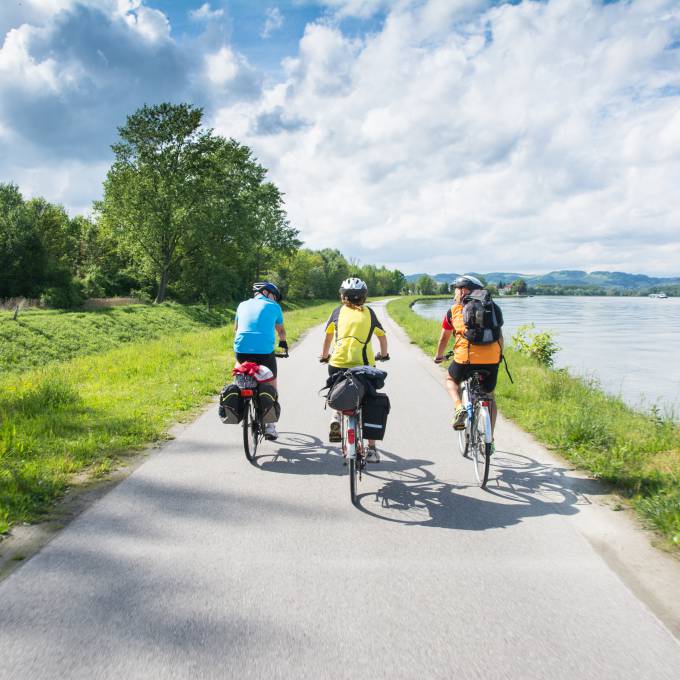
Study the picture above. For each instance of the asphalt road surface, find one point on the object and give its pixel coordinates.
(202, 565)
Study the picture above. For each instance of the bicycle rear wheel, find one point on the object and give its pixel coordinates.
(464, 441)
(478, 447)
(353, 479)
(251, 430)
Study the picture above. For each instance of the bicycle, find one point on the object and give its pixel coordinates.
(475, 440)
(352, 441)
(253, 426)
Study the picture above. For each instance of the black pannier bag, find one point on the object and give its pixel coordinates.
(346, 393)
(374, 412)
(269, 403)
(231, 405)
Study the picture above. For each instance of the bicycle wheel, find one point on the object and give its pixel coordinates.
(251, 430)
(464, 441)
(478, 448)
(353, 479)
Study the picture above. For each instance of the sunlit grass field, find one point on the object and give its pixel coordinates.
(637, 454)
(86, 412)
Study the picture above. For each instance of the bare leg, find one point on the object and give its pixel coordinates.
(493, 411)
(453, 389)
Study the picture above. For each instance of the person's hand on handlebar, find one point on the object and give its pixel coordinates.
(439, 358)
(324, 360)
(380, 357)
(284, 346)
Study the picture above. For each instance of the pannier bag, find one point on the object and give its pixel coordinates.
(346, 393)
(482, 317)
(270, 408)
(374, 412)
(231, 405)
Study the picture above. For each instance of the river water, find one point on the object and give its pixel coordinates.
(631, 346)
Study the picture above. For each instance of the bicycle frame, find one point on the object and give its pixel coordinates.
(478, 422)
(351, 433)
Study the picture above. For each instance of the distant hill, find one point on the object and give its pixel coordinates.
(569, 277)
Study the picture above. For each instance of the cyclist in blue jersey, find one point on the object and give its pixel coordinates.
(258, 321)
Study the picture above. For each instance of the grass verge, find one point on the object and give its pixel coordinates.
(38, 337)
(637, 454)
(84, 414)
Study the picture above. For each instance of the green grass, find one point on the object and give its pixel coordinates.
(85, 413)
(637, 454)
(38, 337)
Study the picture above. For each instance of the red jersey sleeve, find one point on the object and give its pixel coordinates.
(447, 323)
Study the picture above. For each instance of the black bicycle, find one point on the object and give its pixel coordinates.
(253, 426)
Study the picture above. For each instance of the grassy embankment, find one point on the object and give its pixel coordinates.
(637, 454)
(128, 374)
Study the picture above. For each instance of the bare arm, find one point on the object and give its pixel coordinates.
(281, 331)
(444, 338)
(325, 350)
(382, 341)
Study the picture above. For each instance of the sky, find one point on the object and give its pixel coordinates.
(426, 135)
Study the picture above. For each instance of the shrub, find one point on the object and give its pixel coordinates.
(539, 346)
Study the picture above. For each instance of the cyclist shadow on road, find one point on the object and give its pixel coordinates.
(519, 488)
(301, 454)
(304, 454)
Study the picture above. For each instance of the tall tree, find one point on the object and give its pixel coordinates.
(154, 194)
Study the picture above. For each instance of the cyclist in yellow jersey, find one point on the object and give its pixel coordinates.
(351, 327)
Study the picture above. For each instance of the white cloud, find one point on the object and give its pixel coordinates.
(463, 136)
(151, 24)
(221, 66)
(273, 22)
(205, 13)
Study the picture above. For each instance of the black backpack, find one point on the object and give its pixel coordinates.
(482, 317)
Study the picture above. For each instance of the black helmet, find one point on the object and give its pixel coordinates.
(468, 281)
(261, 286)
(354, 289)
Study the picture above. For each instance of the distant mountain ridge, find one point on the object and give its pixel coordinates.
(567, 277)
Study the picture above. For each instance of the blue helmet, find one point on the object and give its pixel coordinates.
(261, 286)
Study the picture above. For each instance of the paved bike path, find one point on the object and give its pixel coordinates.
(201, 565)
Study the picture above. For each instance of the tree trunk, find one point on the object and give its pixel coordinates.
(162, 287)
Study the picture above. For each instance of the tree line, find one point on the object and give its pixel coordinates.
(185, 214)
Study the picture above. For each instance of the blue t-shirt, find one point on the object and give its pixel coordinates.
(256, 319)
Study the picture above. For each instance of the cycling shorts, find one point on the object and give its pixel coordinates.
(460, 372)
(268, 360)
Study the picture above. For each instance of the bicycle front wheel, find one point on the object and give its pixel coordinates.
(478, 447)
(251, 430)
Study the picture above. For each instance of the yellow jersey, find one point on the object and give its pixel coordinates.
(353, 328)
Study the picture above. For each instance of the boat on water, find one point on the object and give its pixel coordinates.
(661, 296)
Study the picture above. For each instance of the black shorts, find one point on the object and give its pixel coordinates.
(460, 372)
(268, 360)
(332, 370)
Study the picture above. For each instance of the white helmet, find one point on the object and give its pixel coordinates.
(354, 289)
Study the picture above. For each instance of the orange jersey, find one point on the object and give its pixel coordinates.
(465, 352)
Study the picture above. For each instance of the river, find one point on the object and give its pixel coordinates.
(630, 345)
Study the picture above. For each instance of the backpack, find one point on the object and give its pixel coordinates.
(482, 317)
